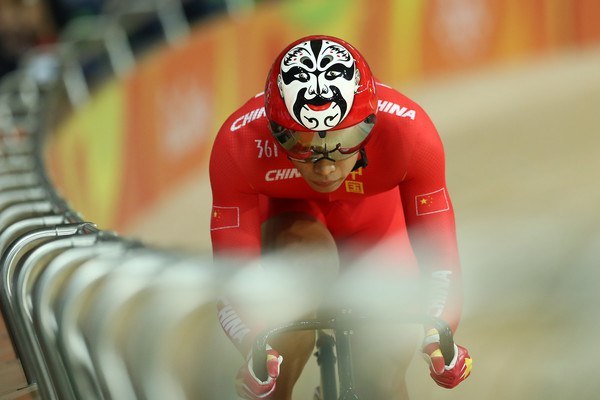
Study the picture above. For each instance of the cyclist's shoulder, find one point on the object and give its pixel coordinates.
(401, 125)
(396, 107)
(247, 121)
(391, 93)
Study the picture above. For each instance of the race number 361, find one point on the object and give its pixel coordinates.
(266, 148)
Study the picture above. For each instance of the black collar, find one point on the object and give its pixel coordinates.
(362, 162)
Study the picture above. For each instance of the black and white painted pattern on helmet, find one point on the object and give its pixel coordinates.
(317, 82)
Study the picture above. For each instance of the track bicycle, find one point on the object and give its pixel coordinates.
(333, 346)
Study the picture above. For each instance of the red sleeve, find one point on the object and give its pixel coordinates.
(234, 227)
(235, 217)
(430, 222)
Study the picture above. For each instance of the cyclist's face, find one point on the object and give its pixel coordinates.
(326, 176)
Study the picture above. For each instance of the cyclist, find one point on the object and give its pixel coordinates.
(329, 158)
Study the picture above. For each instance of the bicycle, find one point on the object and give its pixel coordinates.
(334, 348)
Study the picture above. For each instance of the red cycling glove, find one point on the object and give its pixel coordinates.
(447, 376)
(249, 387)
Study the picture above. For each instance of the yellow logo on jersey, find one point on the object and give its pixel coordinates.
(352, 185)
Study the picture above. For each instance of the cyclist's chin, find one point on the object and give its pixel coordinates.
(325, 187)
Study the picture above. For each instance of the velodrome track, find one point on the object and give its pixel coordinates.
(522, 144)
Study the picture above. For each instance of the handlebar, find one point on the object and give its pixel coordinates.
(259, 348)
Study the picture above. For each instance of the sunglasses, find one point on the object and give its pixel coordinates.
(335, 145)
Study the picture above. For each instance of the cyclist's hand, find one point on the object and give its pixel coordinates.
(447, 376)
(248, 386)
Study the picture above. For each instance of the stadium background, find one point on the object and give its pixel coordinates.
(514, 88)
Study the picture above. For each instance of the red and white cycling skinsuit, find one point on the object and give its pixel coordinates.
(400, 194)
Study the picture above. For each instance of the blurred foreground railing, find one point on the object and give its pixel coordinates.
(91, 314)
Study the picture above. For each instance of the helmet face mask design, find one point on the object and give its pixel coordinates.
(317, 82)
(320, 99)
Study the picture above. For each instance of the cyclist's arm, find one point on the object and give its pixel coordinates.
(235, 232)
(431, 224)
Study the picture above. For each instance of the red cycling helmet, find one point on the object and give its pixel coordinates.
(320, 99)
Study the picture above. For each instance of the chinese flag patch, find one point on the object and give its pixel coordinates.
(224, 217)
(430, 203)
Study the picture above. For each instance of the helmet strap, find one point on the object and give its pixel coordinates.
(362, 162)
